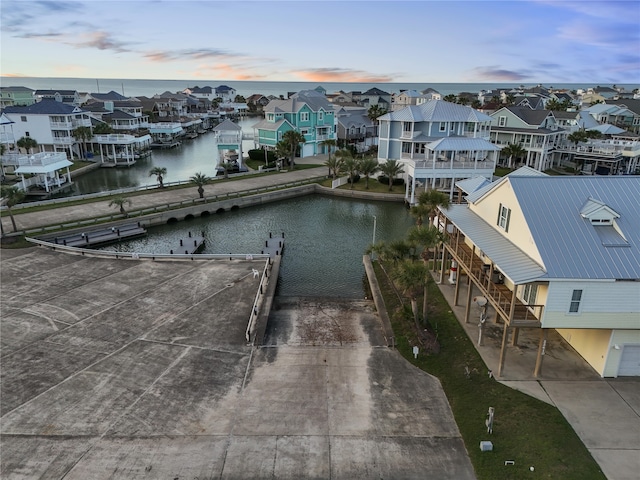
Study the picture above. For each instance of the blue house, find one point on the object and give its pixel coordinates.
(308, 112)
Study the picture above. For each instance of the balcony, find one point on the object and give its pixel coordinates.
(462, 163)
(509, 308)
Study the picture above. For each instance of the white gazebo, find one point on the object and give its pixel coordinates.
(46, 170)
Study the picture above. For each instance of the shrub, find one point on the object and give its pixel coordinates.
(385, 180)
(257, 154)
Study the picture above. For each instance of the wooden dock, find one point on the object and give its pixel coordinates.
(273, 245)
(101, 237)
(188, 246)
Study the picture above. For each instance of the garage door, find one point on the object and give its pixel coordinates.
(307, 150)
(630, 361)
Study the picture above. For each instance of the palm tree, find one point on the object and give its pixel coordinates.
(432, 199)
(426, 237)
(282, 150)
(159, 172)
(350, 165)
(293, 139)
(451, 98)
(27, 143)
(200, 179)
(368, 166)
(510, 99)
(391, 168)
(82, 134)
(335, 166)
(119, 201)
(102, 128)
(420, 212)
(476, 104)
(330, 143)
(12, 196)
(513, 150)
(412, 278)
(375, 112)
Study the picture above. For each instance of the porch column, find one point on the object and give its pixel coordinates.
(467, 311)
(505, 332)
(514, 337)
(453, 181)
(457, 289)
(444, 256)
(413, 188)
(541, 347)
(503, 348)
(406, 190)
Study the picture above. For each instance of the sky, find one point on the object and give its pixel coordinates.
(369, 41)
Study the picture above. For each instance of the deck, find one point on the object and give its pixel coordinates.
(101, 237)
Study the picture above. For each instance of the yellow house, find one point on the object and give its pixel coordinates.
(556, 252)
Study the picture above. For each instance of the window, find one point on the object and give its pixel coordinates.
(304, 131)
(320, 116)
(406, 126)
(529, 293)
(574, 306)
(270, 116)
(502, 121)
(23, 118)
(504, 215)
(443, 126)
(304, 116)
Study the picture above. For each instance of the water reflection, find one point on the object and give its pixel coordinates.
(325, 238)
(192, 156)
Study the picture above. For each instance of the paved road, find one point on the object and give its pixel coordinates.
(69, 214)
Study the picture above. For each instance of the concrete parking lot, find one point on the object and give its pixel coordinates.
(128, 369)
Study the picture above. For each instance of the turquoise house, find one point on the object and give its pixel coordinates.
(308, 112)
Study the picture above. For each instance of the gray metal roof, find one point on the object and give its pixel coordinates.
(509, 259)
(569, 244)
(436, 111)
(227, 125)
(462, 144)
(472, 184)
(314, 100)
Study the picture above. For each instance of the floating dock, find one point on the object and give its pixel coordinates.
(105, 236)
(188, 246)
(273, 245)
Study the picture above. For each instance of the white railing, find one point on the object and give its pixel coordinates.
(62, 125)
(36, 159)
(228, 138)
(121, 138)
(456, 164)
(63, 140)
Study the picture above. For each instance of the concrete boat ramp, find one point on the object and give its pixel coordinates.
(134, 368)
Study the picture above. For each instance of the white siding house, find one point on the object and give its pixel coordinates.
(567, 253)
(438, 143)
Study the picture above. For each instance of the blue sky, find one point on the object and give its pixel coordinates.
(541, 41)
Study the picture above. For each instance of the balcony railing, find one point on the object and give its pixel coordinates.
(448, 164)
(498, 294)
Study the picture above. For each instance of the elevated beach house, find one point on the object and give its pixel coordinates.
(308, 112)
(437, 143)
(555, 252)
(50, 123)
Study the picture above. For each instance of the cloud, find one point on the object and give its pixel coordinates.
(340, 75)
(100, 40)
(189, 54)
(496, 74)
(226, 71)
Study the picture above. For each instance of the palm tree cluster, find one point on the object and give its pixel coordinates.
(344, 163)
(288, 146)
(407, 261)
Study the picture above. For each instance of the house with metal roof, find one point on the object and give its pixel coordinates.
(555, 252)
(355, 127)
(308, 112)
(438, 143)
(535, 130)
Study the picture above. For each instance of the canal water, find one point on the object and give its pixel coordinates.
(325, 239)
(182, 162)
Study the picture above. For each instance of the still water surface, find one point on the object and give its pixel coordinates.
(197, 155)
(325, 238)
